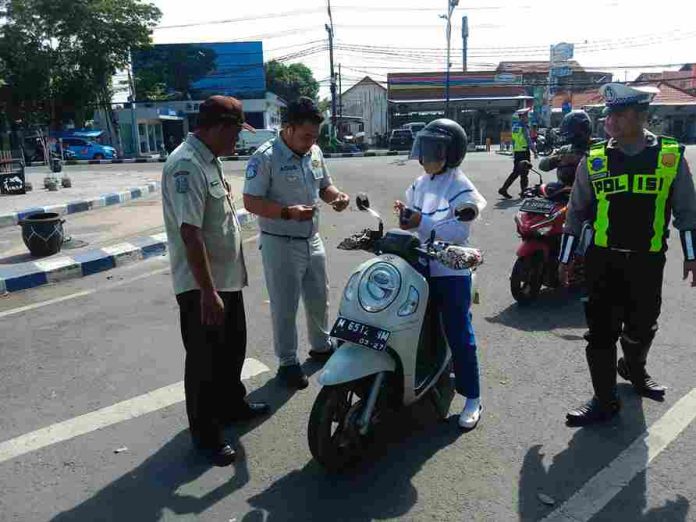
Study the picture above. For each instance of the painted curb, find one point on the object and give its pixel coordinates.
(367, 154)
(73, 207)
(14, 278)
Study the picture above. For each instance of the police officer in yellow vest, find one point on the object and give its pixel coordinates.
(629, 188)
(522, 143)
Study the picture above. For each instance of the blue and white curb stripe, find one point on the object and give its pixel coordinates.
(368, 154)
(23, 276)
(105, 200)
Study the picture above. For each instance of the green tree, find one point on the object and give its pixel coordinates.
(58, 56)
(291, 81)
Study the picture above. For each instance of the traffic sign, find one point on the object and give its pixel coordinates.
(562, 52)
(560, 72)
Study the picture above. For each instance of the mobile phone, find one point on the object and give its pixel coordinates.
(405, 216)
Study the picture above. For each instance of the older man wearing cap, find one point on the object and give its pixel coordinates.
(208, 271)
(522, 143)
(628, 188)
(285, 180)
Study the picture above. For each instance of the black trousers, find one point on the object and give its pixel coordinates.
(214, 359)
(518, 172)
(624, 302)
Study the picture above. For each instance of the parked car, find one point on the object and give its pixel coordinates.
(415, 127)
(401, 139)
(87, 150)
(248, 141)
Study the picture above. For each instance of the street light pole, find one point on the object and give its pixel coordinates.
(451, 4)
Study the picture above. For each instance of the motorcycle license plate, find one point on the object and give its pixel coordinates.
(360, 334)
(538, 206)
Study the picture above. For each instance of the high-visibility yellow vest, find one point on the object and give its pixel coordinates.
(633, 195)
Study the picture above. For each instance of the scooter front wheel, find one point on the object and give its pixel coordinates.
(526, 279)
(333, 433)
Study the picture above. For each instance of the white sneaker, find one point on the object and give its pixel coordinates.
(471, 414)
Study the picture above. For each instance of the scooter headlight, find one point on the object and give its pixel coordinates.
(542, 231)
(378, 287)
(351, 287)
(411, 304)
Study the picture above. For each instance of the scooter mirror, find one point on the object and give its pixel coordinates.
(362, 201)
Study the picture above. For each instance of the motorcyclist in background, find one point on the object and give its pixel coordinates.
(443, 200)
(575, 131)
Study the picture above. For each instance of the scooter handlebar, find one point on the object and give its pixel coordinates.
(454, 256)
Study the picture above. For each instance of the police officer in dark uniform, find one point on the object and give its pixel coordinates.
(628, 188)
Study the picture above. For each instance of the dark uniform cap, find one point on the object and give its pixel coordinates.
(221, 109)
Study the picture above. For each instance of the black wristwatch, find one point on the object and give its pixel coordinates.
(285, 213)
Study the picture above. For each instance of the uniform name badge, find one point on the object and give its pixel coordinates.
(316, 169)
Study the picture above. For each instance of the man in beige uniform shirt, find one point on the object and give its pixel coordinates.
(208, 270)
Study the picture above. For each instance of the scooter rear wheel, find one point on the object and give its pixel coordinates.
(333, 433)
(526, 279)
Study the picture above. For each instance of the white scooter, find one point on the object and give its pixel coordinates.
(393, 351)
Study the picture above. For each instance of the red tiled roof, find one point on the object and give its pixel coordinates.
(665, 75)
(669, 95)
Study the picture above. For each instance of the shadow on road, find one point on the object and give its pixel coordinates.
(504, 204)
(144, 492)
(377, 490)
(553, 309)
(589, 451)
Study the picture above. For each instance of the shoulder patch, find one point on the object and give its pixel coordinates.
(181, 181)
(669, 160)
(598, 164)
(252, 169)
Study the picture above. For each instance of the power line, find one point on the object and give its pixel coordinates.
(309, 11)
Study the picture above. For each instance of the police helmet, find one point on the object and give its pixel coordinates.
(576, 129)
(441, 139)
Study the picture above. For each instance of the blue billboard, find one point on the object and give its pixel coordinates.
(194, 71)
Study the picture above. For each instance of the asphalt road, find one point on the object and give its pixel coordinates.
(119, 339)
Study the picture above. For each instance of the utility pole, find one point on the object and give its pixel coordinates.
(340, 92)
(451, 4)
(134, 122)
(465, 40)
(330, 30)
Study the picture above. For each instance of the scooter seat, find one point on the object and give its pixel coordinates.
(556, 191)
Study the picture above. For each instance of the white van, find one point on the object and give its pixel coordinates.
(248, 142)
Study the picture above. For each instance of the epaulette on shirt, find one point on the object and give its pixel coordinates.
(265, 147)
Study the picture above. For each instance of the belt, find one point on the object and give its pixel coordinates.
(295, 238)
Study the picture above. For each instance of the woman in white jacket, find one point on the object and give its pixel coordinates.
(445, 201)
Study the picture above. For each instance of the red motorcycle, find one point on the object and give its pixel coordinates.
(540, 225)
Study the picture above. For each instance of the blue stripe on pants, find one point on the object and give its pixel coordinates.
(452, 297)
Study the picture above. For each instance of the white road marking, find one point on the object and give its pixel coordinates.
(120, 412)
(34, 306)
(605, 485)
